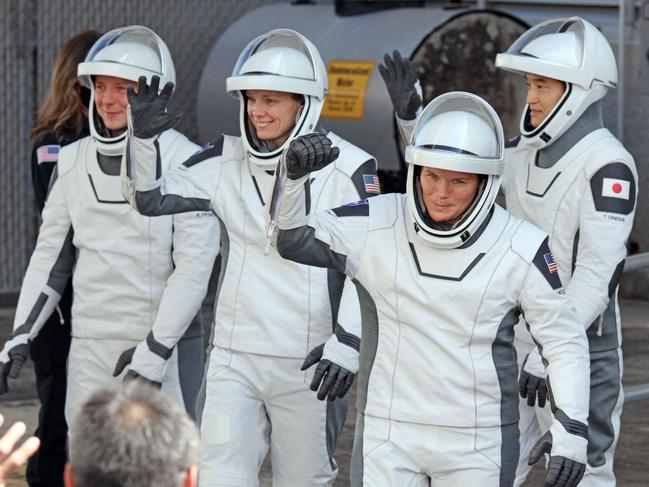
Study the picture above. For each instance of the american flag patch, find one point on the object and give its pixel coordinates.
(205, 147)
(47, 153)
(357, 203)
(549, 261)
(371, 182)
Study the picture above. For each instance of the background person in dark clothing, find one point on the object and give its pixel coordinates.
(61, 120)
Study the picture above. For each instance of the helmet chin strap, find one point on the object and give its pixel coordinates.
(591, 120)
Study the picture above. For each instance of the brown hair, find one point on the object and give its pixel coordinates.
(62, 111)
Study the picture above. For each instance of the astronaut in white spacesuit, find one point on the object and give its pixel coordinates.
(269, 312)
(567, 174)
(138, 281)
(443, 274)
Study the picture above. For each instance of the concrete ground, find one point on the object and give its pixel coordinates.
(632, 463)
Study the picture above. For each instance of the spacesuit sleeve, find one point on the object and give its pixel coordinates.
(49, 268)
(188, 187)
(362, 184)
(605, 220)
(195, 246)
(334, 239)
(561, 339)
(406, 127)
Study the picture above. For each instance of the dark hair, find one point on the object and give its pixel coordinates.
(62, 111)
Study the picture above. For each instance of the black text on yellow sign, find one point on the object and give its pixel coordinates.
(348, 82)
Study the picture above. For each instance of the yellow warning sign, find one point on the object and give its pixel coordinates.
(347, 87)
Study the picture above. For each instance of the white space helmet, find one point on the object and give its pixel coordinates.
(457, 131)
(280, 60)
(571, 50)
(127, 53)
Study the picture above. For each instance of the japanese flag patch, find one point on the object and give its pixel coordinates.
(613, 188)
(616, 188)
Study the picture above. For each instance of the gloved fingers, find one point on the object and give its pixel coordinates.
(576, 474)
(334, 390)
(18, 355)
(167, 90)
(339, 384)
(131, 94)
(532, 386)
(389, 67)
(132, 375)
(335, 152)
(329, 379)
(349, 380)
(383, 71)
(399, 67)
(313, 357)
(319, 374)
(542, 393)
(522, 383)
(16, 364)
(344, 381)
(124, 359)
(142, 87)
(411, 73)
(553, 474)
(544, 445)
(311, 150)
(155, 86)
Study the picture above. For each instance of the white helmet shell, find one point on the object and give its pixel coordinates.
(280, 60)
(571, 50)
(126, 53)
(457, 131)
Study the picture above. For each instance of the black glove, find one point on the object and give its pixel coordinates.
(125, 359)
(400, 78)
(309, 153)
(562, 472)
(149, 114)
(531, 387)
(329, 379)
(11, 368)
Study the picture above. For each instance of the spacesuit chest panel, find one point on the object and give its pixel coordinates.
(120, 253)
(438, 322)
(550, 198)
(256, 310)
(105, 208)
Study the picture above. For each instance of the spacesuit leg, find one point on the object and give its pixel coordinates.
(171, 379)
(305, 430)
(462, 455)
(90, 366)
(606, 401)
(191, 357)
(530, 431)
(390, 454)
(234, 427)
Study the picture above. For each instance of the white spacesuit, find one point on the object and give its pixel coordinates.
(269, 312)
(138, 281)
(437, 379)
(572, 178)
